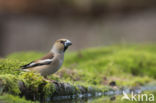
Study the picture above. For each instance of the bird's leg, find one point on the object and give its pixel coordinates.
(48, 80)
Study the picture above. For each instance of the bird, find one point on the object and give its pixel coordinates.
(50, 63)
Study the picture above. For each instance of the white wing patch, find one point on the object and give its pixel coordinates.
(38, 63)
(45, 61)
(32, 64)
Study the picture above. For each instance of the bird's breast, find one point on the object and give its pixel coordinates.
(56, 65)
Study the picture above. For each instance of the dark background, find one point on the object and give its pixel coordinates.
(35, 24)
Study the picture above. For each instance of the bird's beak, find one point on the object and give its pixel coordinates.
(67, 43)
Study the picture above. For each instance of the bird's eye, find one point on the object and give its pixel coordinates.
(62, 42)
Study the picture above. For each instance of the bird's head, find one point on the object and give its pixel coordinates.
(61, 45)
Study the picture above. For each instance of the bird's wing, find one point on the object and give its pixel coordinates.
(43, 61)
(48, 56)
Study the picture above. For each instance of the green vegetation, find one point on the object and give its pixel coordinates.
(127, 65)
(96, 66)
(9, 83)
(7, 98)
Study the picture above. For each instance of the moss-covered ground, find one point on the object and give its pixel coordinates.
(126, 65)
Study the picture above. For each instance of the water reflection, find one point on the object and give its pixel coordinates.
(111, 96)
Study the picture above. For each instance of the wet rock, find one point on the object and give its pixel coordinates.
(62, 89)
(82, 89)
(91, 90)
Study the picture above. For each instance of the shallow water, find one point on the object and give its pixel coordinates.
(107, 97)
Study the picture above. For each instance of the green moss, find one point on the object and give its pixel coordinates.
(32, 80)
(11, 65)
(7, 98)
(133, 81)
(37, 85)
(123, 62)
(48, 89)
(90, 66)
(9, 83)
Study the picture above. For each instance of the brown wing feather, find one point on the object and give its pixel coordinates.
(48, 56)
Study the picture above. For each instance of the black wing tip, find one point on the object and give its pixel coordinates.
(25, 66)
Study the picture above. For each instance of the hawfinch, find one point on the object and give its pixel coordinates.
(51, 62)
